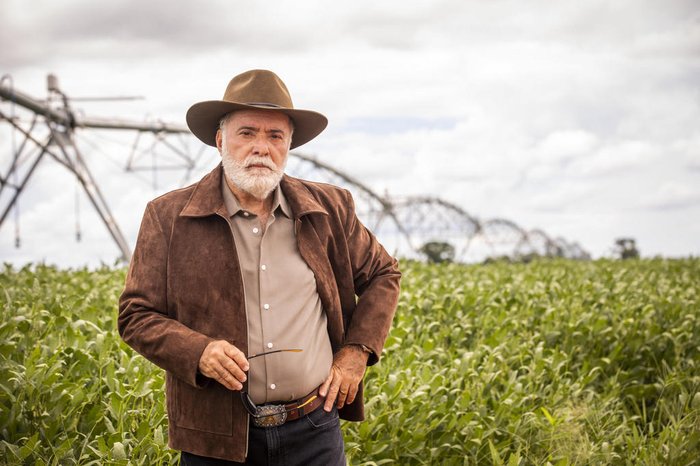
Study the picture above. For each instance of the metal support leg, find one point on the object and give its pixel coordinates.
(21, 186)
(81, 171)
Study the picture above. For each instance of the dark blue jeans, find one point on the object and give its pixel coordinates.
(315, 439)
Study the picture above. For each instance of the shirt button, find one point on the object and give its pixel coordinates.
(266, 306)
(263, 267)
(270, 345)
(272, 386)
(255, 230)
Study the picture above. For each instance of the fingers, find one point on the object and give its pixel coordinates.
(352, 393)
(338, 390)
(341, 386)
(226, 379)
(323, 389)
(331, 393)
(230, 371)
(342, 396)
(224, 363)
(237, 356)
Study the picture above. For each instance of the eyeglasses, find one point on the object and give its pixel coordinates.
(250, 406)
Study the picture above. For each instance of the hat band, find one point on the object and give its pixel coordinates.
(264, 104)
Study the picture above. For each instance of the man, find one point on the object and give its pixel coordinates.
(261, 295)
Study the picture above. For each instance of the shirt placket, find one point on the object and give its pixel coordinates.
(265, 294)
(256, 343)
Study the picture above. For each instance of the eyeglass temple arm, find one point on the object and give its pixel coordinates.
(293, 350)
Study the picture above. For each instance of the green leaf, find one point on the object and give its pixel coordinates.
(158, 436)
(549, 417)
(118, 451)
(495, 457)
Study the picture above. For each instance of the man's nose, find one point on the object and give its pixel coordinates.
(261, 146)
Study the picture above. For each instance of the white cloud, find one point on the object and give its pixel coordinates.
(672, 195)
(614, 159)
(561, 146)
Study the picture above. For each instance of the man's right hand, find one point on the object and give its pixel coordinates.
(224, 363)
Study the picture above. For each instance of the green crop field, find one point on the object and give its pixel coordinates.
(552, 362)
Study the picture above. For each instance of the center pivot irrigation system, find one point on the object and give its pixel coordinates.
(50, 129)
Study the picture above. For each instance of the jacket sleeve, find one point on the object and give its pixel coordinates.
(143, 321)
(376, 279)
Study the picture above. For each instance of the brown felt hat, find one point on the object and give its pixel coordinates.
(254, 90)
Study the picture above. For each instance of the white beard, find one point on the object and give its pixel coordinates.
(257, 183)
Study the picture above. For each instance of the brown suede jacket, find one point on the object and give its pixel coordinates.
(184, 290)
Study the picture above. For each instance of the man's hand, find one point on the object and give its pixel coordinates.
(224, 363)
(348, 368)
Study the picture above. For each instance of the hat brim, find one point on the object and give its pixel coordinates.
(203, 120)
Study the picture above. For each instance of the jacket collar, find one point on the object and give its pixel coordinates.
(300, 199)
(207, 198)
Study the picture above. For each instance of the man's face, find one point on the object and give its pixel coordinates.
(253, 146)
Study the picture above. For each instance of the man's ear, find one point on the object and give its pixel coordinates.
(219, 140)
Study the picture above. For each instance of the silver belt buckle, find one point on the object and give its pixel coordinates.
(272, 416)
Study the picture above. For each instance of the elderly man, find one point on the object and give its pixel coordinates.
(262, 296)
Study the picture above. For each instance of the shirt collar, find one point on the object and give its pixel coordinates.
(279, 201)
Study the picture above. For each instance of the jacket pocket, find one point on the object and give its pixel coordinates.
(208, 409)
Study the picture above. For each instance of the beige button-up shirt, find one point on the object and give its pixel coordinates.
(283, 307)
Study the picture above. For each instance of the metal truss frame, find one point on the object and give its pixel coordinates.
(51, 131)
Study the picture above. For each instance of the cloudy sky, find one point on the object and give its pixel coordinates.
(579, 118)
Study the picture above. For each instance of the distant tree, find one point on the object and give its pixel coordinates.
(626, 248)
(529, 257)
(504, 258)
(438, 251)
(514, 259)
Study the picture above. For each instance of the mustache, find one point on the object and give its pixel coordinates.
(266, 162)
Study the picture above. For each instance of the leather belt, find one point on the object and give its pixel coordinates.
(273, 415)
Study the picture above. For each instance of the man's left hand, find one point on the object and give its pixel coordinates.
(348, 368)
